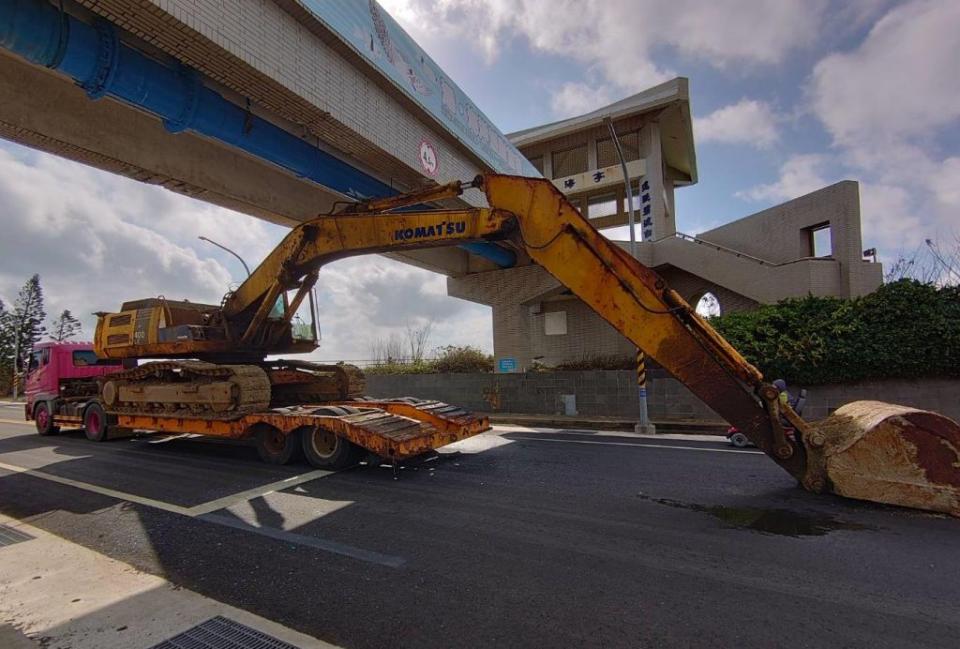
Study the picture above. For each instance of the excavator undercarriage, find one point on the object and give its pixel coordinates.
(226, 391)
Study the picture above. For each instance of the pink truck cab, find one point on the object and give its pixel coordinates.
(61, 387)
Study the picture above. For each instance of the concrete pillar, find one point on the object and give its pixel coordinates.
(656, 222)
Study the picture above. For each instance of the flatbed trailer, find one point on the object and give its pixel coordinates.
(391, 429)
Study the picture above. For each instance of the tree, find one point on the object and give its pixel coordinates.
(27, 325)
(385, 351)
(417, 339)
(64, 327)
(935, 262)
(6, 349)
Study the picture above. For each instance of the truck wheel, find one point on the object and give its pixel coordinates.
(740, 440)
(276, 448)
(44, 420)
(95, 423)
(325, 450)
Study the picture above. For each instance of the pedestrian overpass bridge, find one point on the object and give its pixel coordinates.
(274, 108)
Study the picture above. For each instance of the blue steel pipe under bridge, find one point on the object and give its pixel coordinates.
(253, 160)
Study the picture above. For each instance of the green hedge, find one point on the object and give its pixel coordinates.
(904, 330)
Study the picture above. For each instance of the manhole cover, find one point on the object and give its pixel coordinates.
(10, 535)
(222, 633)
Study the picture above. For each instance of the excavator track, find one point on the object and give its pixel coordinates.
(194, 389)
(302, 382)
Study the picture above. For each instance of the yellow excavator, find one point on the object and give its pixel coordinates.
(865, 450)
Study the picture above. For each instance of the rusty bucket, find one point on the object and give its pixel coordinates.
(891, 454)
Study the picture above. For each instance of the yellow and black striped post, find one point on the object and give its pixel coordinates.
(643, 423)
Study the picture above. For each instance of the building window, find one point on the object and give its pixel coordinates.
(607, 152)
(570, 161)
(600, 206)
(537, 163)
(819, 240)
(555, 323)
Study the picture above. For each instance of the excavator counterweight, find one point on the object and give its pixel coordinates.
(866, 450)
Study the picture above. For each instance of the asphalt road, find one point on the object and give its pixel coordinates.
(522, 539)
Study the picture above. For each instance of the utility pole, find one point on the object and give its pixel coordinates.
(643, 423)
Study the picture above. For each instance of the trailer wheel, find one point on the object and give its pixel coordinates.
(326, 450)
(95, 423)
(274, 447)
(740, 440)
(43, 418)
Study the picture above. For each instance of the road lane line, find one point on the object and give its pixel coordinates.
(22, 422)
(200, 512)
(255, 492)
(103, 491)
(668, 446)
(334, 547)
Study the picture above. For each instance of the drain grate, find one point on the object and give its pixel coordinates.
(222, 633)
(10, 535)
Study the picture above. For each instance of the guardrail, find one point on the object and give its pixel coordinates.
(742, 255)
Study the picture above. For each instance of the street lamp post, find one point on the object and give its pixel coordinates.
(643, 423)
(222, 247)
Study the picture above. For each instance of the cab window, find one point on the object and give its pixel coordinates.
(34, 360)
(87, 358)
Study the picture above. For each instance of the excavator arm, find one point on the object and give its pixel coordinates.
(903, 456)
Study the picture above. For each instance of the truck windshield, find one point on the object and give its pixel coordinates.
(87, 358)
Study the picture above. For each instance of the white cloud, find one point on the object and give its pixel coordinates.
(945, 184)
(98, 240)
(900, 82)
(885, 103)
(799, 175)
(746, 122)
(617, 38)
(886, 216)
(576, 98)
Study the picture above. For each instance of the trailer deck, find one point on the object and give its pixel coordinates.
(393, 429)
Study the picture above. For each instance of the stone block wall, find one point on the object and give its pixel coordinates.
(614, 393)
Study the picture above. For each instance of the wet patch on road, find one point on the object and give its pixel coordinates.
(782, 522)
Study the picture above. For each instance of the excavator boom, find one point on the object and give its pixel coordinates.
(867, 450)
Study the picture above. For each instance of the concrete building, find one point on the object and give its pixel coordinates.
(810, 245)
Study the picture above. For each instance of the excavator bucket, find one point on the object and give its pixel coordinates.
(891, 454)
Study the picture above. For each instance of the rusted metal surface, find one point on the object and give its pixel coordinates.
(640, 305)
(440, 192)
(444, 417)
(886, 453)
(397, 430)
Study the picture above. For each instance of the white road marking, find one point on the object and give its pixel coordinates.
(256, 492)
(192, 512)
(104, 491)
(203, 512)
(22, 422)
(668, 446)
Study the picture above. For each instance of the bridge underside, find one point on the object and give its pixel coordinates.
(55, 115)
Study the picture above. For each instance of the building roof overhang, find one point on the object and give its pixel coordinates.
(668, 102)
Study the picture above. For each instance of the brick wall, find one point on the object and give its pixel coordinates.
(614, 393)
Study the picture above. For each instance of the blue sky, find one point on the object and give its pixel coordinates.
(786, 65)
(787, 96)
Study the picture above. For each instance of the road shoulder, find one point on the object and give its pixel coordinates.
(57, 593)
